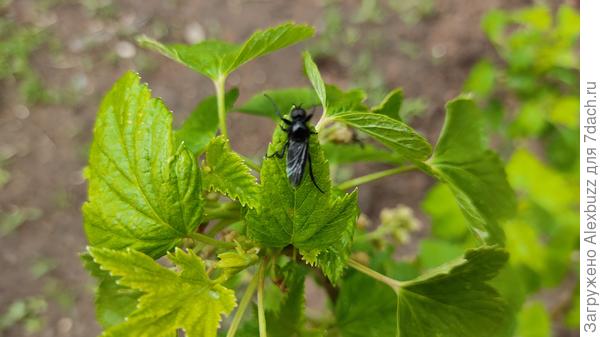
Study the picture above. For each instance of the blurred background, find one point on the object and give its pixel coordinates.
(518, 58)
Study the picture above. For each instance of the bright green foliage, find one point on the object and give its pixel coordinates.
(482, 79)
(144, 193)
(185, 299)
(225, 172)
(146, 199)
(455, 301)
(534, 321)
(474, 173)
(315, 79)
(201, 125)
(113, 302)
(392, 133)
(217, 59)
(447, 220)
(284, 98)
(302, 216)
(391, 104)
(232, 262)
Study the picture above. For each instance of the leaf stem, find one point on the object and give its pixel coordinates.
(374, 176)
(262, 324)
(392, 283)
(210, 241)
(251, 164)
(220, 89)
(323, 121)
(239, 314)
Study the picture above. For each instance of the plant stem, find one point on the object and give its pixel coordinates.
(262, 324)
(239, 314)
(210, 241)
(374, 176)
(394, 284)
(220, 88)
(220, 226)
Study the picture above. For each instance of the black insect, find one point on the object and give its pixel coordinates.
(298, 134)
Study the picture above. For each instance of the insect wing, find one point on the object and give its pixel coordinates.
(296, 160)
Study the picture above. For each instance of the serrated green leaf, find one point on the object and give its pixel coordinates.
(333, 260)
(225, 172)
(143, 192)
(113, 302)
(391, 104)
(302, 216)
(232, 262)
(392, 133)
(202, 124)
(284, 98)
(352, 153)
(186, 299)
(474, 173)
(455, 300)
(217, 59)
(314, 76)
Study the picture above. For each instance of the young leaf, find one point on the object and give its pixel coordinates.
(217, 59)
(392, 133)
(113, 302)
(284, 98)
(225, 172)
(391, 104)
(186, 299)
(302, 216)
(143, 192)
(202, 124)
(475, 174)
(314, 76)
(455, 300)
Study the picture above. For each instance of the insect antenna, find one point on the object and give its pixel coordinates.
(274, 106)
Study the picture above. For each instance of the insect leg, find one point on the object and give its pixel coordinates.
(310, 172)
(286, 121)
(279, 154)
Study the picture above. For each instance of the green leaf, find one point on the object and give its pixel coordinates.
(352, 153)
(482, 79)
(170, 299)
(344, 101)
(284, 98)
(113, 302)
(392, 133)
(474, 173)
(302, 216)
(565, 111)
(232, 262)
(143, 192)
(225, 172)
(455, 300)
(202, 124)
(365, 308)
(391, 104)
(333, 259)
(314, 76)
(447, 220)
(534, 321)
(217, 59)
(434, 252)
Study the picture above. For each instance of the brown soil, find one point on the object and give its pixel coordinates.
(49, 141)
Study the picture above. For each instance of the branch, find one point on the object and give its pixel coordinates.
(374, 176)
